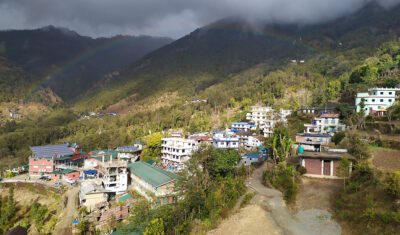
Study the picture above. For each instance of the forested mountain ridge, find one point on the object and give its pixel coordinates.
(67, 62)
(219, 51)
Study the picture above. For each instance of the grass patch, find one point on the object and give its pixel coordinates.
(246, 199)
(375, 147)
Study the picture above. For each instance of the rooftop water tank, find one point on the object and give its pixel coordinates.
(301, 149)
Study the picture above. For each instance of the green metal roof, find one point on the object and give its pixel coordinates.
(150, 162)
(253, 153)
(125, 197)
(152, 175)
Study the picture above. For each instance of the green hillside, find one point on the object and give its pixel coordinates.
(217, 52)
(67, 62)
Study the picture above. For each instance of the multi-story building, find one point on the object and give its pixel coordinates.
(176, 151)
(376, 100)
(130, 153)
(46, 159)
(148, 179)
(326, 123)
(224, 141)
(266, 118)
(313, 142)
(242, 126)
(254, 141)
(114, 175)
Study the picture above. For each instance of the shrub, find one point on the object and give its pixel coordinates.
(246, 199)
(392, 183)
(302, 170)
(338, 137)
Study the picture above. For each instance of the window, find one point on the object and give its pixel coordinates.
(366, 100)
(374, 93)
(381, 100)
(390, 92)
(381, 92)
(373, 100)
(390, 100)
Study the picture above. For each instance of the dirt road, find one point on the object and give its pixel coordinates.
(275, 218)
(69, 213)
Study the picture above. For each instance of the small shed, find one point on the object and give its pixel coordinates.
(323, 164)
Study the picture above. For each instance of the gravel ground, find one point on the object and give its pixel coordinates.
(275, 218)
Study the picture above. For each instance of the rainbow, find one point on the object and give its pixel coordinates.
(82, 57)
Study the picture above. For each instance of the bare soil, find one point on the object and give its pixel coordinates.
(316, 194)
(251, 219)
(386, 159)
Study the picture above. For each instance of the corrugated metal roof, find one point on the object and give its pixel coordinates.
(124, 197)
(150, 174)
(128, 148)
(49, 151)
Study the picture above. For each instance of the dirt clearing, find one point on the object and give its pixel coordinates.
(386, 159)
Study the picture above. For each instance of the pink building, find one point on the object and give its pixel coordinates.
(51, 158)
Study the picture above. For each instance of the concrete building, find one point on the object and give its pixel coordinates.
(254, 141)
(322, 164)
(92, 195)
(46, 159)
(147, 180)
(266, 118)
(176, 151)
(130, 153)
(224, 141)
(313, 142)
(242, 126)
(114, 175)
(377, 100)
(326, 123)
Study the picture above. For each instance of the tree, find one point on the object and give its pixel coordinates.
(343, 169)
(83, 226)
(156, 227)
(392, 184)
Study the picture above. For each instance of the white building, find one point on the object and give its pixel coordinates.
(255, 141)
(326, 123)
(242, 126)
(266, 118)
(377, 100)
(114, 175)
(224, 141)
(176, 151)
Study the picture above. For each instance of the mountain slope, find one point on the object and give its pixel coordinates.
(212, 54)
(68, 62)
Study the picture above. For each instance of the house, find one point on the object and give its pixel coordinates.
(91, 195)
(225, 141)
(201, 139)
(266, 118)
(149, 180)
(251, 158)
(96, 157)
(326, 123)
(46, 159)
(130, 153)
(376, 100)
(241, 126)
(176, 151)
(65, 174)
(330, 108)
(322, 164)
(114, 175)
(244, 137)
(255, 141)
(313, 142)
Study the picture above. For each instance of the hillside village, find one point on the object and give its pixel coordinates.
(109, 182)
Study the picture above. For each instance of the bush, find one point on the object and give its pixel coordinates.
(285, 179)
(302, 170)
(246, 199)
(392, 184)
(338, 137)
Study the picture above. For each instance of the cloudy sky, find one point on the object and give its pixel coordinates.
(173, 18)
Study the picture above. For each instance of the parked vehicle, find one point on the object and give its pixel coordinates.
(44, 178)
(68, 180)
(58, 184)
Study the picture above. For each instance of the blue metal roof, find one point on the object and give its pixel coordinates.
(240, 123)
(49, 151)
